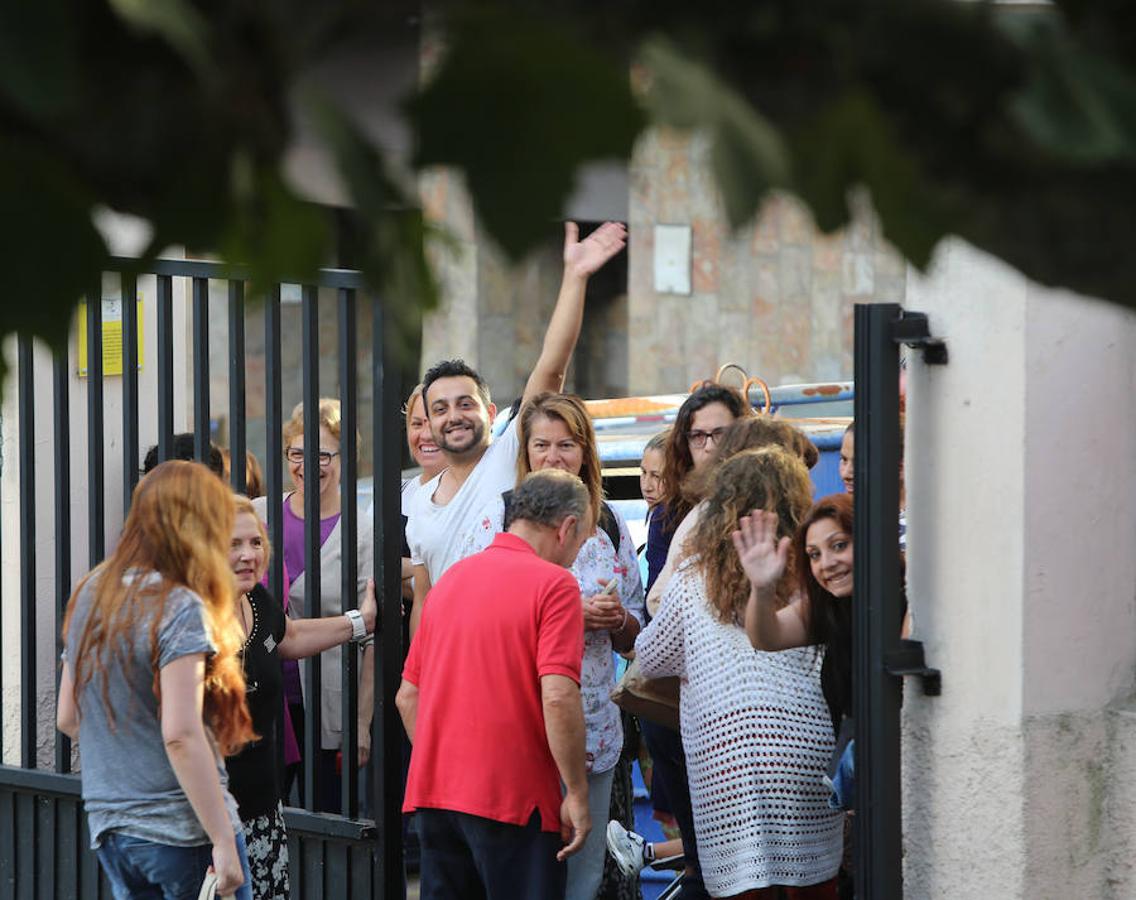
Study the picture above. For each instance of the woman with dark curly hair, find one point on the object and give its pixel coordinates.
(821, 552)
(755, 726)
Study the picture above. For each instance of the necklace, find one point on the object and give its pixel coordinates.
(249, 625)
(246, 619)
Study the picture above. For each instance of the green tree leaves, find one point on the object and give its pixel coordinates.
(748, 154)
(518, 104)
(1015, 129)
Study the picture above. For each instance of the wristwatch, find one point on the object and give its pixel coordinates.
(358, 626)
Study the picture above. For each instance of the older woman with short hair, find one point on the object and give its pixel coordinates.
(332, 603)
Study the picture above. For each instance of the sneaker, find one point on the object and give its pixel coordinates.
(626, 848)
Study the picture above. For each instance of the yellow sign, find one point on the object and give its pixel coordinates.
(112, 337)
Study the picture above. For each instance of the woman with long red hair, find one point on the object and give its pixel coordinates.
(153, 692)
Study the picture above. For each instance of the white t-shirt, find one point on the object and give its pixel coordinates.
(410, 488)
(435, 533)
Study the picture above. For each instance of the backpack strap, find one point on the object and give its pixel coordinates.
(608, 522)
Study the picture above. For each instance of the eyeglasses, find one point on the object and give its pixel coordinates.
(296, 455)
(698, 439)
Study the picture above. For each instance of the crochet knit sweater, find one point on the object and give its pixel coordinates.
(757, 736)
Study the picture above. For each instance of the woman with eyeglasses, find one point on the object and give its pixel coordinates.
(297, 603)
(698, 429)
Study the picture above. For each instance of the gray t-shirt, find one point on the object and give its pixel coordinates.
(128, 783)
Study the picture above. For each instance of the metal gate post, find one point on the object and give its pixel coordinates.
(880, 656)
(387, 728)
(876, 613)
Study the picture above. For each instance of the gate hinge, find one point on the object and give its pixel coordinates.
(908, 659)
(912, 329)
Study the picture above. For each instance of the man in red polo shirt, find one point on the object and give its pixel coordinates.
(490, 697)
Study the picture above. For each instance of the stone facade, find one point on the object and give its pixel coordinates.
(494, 313)
(776, 296)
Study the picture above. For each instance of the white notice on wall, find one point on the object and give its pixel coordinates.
(672, 259)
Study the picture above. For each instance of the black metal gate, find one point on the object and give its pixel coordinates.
(43, 838)
(880, 657)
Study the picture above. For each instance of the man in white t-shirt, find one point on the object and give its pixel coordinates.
(460, 411)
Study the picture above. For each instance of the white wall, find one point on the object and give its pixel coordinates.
(81, 490)
(1021, 477)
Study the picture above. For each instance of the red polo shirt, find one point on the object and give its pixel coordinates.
(492, 626)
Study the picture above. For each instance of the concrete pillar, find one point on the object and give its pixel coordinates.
(1021, 487)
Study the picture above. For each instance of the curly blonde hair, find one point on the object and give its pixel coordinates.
(768, 478)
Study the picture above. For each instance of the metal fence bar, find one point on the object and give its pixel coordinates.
(201, 268)
(25, 363)
(96, 512)
(130, 457)
(61, 406)
(237, 460)
(877, 613)
(165, 367)
(312, 593)
(41, 833)
(387, 727)
(349, 531)
(201, 441)
(273, 438)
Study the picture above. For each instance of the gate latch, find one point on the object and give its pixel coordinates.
(908, 659)
(912, 329)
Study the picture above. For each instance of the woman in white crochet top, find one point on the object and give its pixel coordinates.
(755, 726)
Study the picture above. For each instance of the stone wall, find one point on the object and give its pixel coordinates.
(776, 296)
(494, 312)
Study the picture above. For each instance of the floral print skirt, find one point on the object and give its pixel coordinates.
(268, 855)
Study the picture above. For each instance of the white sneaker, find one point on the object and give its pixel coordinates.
(626, 848)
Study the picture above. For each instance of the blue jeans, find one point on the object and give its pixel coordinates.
(138, 869)
(585, 869)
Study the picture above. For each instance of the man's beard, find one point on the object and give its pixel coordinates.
(475, 444)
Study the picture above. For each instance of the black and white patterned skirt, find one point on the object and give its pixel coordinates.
(268, 855)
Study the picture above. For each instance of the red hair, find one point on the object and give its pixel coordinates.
(180, 526)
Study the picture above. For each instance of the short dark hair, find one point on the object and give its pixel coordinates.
(453, 368)
(548, 497)
(182, 448)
